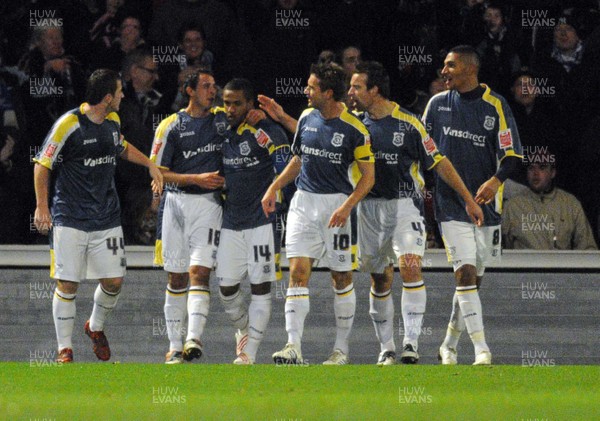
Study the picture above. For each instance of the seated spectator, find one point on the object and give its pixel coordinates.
(570, 71)
(15, 188)
(545, 217)
(471, 25)
(192, 44)
(326, 57)
(497, 50)
(225, 35)
(348, 58)
(106, 28)
(140, 112)
(192, 40)
(129, 38)
(538, 131)
(56, 82)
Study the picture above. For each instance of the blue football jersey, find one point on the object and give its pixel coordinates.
(249, 170)
(401, 146)
(475, 134)
(328, 151)
(190, 145)
(83, 156)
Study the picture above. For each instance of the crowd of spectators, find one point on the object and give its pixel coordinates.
(542, 55)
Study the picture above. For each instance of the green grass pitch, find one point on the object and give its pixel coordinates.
(104, 391)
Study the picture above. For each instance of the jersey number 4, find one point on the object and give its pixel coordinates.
(111, 244)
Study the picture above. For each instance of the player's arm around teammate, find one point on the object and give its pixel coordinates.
(249, 246)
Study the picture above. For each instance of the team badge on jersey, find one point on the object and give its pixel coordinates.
(337, 139)
(116, 138)
(221, 127)
(489, 122)
(245, 148)
(398, 139)
(505, 139)
(262, 138)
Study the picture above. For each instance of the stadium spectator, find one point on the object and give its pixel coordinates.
(538, 131)
(226, 37)
(326, 57)
(56, 82)
(545, 217)
(112, 55)
(571, 72)
(349, 57)
(497, 51)
(471, 25)
(141, 110)
(194, 55)
(105, 29)
(14, 169)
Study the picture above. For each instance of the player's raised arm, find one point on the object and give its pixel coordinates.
(276, 112)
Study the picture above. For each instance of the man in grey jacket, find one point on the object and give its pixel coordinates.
(545, 217)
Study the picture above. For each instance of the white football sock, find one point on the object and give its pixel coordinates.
(259, 313)
(104, 302)
(470, 306)
(198, 306)
(175, 312)
(236, 309)
(456, 326)
(414, 301)
(63, 313)
(344, 307)
(297, 306)
(381, 310)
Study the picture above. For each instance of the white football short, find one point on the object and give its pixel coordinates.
(388, 229)
(247, 253)
(77, 255)
(468, 244)
(308, 234)
(190, 231)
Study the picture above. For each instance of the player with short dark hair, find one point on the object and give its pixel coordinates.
(249, 246)
(78, 158)
(391, 227)
(331, 151)
(187, 149)
(473, 126)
